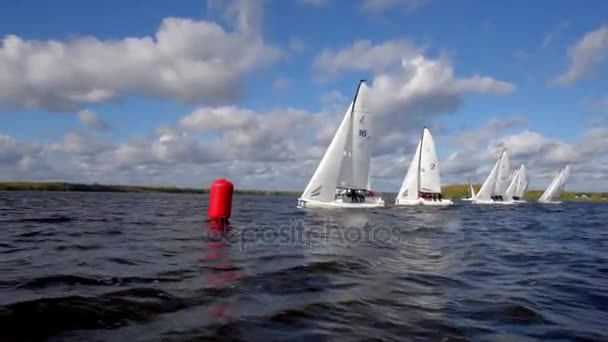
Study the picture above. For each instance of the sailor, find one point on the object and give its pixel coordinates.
(361, 194)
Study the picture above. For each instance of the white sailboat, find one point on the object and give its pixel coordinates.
(422, 182)
(556, 187)
(522, 185)
(494, 188)
(342, 178)
(470, 192)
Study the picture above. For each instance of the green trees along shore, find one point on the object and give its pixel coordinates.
(455, 191)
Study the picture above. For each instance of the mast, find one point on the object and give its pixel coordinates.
(420, 159)
(352, 109)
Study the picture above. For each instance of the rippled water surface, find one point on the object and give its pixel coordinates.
(143, 267)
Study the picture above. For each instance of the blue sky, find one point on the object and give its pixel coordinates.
(520, 46)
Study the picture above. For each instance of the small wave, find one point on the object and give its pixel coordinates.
(71, 280)
(510, 312)
(42, 318)
(50, 219)
(122, 261)
(77, 247)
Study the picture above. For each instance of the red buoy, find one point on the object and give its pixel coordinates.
(220, 199)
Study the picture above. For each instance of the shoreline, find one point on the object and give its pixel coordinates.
(455, 191)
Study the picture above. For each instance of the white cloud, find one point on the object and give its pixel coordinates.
(186, 60)
(12, 150)
(584, 56)
(378, 6)
(406, 84)
(423, 88)
(493, 128)
(363, 55)
(279, 149)
(90, 119)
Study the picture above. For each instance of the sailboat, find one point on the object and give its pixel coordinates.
(470, 192)
(521, 185)
(342, 178)
(422, 182)
(493, 190)
(556, 187)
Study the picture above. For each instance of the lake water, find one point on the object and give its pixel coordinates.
(144, 267)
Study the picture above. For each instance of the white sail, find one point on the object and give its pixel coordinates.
(502, 177)
(361, 139)
(345, 178)
(409, 187)
(510, 192)
(487, 188)
(322, 185)
(563, 179)
(472, 191)
(552, 192)
(522, 182)
(430, 180)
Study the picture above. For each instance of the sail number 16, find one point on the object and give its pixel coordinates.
(363, 133)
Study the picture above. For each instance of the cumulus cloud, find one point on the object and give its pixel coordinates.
(426, 86)
(186, 60)
(584, 56)
(279, 149)
(406, 85)
(90, 119)
(493, 128)
(12, 150)
(363, 55)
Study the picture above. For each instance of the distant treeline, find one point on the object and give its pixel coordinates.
(61, 186)
(461, 190)
(455, 191)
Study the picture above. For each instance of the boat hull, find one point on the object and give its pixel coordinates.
(466, 199)
(520, 201)
(550, 202)
(374, 202)
(420, 201)
(491, 202)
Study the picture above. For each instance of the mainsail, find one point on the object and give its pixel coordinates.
(430, 180)
(487, 189)
(522, 183)
(502, 177)
(510, 192)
